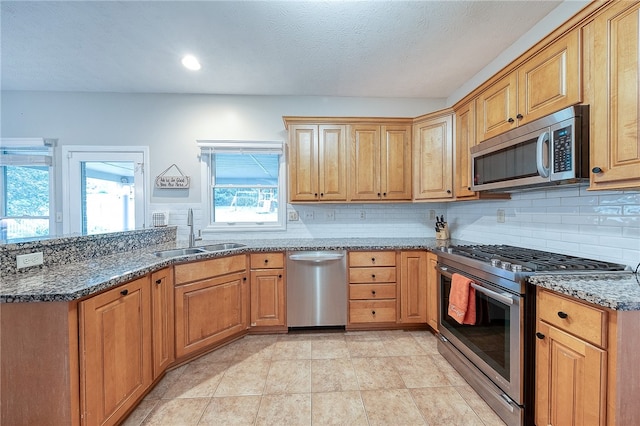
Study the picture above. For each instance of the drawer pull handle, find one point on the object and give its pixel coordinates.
(373, 292)
(563, 315)
(280, 276)
(244, 278)
(373, 312)
(124, 292)
(539, 335)
(373, 260)
(266, 261)
(373, 276)
(159, 281)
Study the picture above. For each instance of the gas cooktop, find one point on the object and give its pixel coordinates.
(518, 259)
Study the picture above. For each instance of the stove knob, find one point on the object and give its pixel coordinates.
(505, 265)
(516, 268)
(495, 262)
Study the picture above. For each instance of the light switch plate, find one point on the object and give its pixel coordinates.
(28, 260)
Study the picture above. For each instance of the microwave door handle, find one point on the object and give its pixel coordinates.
(542, 170)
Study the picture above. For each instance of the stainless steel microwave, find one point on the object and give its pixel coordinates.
(552, 150)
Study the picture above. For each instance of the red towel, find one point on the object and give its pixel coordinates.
(462, 300)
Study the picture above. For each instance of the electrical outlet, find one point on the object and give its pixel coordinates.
(363, 215)
(28, 260)
(432, 215)
(308, 215)
(500, 216)
(59, 217)
(330, 215)
(293, 216)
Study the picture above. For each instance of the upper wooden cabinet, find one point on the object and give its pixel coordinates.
(612, 76)
(547, 82)
(317, 163)
(380, 166)
(465, 139)
(433, 156)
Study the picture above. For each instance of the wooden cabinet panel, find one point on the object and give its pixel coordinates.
(162, 320)
(365, 162)
(266, 260)
(615, 130)
(372, 258)
(303, 163)
(193, 271)
(433, 158)
(372, 311)
(432, 291)
(413, 287)
(115, 351)
(395, 162)
(570, 379)
(332, 163)
(372, 291)
(465, 139)
(373, 275)
(497, 108)
(268, 297)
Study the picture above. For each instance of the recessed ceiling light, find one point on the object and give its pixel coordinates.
(191, 62)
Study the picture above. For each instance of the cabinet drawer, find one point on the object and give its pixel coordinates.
(372, 258)
(267, 260)
(194, 271)
(385, 274)
(363, 311)
(581, 320)
(372, 291)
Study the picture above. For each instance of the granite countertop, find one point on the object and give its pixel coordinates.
(77, 280)
(619, 292)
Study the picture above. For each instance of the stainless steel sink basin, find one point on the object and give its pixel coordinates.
(222, 246)
(178, 252)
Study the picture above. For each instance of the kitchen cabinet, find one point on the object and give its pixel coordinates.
(380, 163)
(211, 303)
(317, 162)
(162, 320)
(465, 117)
(413, 287)
(433, 156)
(547, 82)
(432, 291)
(612, 76)
(372, 288)
(268, 293)
(115, 351)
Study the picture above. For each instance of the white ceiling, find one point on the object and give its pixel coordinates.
(421, 49)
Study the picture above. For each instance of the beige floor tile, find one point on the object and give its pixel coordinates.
(292, 349)
(391, 407)
(165, 383)
(289, 376)
(329, 348)
(231, 410)
(338, 408)
(401, 345)
(285, 409)
(365, 348)
(444, 406)
(177, 412)
(260, 346)
(197, 381)
(477, 404)
(419, 371)
(427, 340)
(224, 354)
(140, 413)
(447, 369)
(358, 336)
(376, 373)
(244, 378)
(331, 375)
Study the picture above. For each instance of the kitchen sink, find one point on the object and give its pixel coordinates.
(178, 252)
(222, 246)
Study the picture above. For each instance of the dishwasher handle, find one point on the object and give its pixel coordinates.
(316, 257)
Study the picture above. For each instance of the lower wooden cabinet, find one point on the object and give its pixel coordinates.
(432, 290)
(115, 351)
(162, 320)
(413, 287)
(268, 293)
(372, 288)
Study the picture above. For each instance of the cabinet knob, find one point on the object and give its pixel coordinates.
(159, 281)
(373, 260)
(378, 194)
(373, 292)
(322, 194)
(384, 194)
(315, 194)
(373, 312)
(448, 191)
(373, 276)
(468, 188)
(279, 275)
(519, 116)
(244, 278)
(266, 261)
(596, 170)
(539, 335)
(511, 120)
(124, 292)
(563, 315)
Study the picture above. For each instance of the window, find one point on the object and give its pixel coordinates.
(245, 185)
(26, 185)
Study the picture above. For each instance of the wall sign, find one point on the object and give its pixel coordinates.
(165, 181)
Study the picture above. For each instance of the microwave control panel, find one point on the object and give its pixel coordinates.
(562, 150)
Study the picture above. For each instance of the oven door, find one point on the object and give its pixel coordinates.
(494, 344)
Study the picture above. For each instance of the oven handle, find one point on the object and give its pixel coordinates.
(505, 298)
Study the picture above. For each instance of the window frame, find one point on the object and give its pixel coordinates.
(211, 147)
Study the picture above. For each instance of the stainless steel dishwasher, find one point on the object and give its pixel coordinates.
(316, 288)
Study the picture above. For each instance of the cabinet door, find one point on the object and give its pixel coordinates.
(364, 181)
(210, 311)
(268, 297)
(550, 80)
(162, 319)
(497, 108)
(332, 163)
(413, 287)
(432, 156)
(303, 163)
(465, 139)
(432, 291)
(570, 379)
(395, 167)
(115, 351)
(615, 136)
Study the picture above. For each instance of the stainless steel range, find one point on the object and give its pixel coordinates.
(496, 354)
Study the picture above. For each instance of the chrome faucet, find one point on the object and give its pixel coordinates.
(192, 236)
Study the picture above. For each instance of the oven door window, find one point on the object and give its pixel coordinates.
(489, 338)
